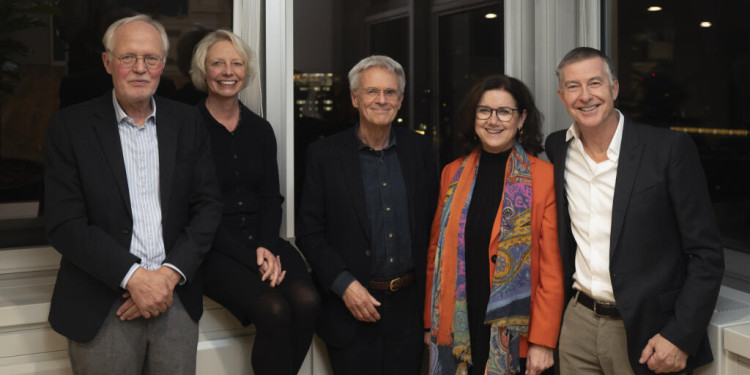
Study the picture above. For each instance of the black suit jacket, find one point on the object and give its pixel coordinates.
(89, 217)
(666, 259)
(334, 231)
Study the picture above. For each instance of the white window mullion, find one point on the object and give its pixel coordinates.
(279, 61)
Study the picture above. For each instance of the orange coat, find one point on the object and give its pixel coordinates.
(546, 265)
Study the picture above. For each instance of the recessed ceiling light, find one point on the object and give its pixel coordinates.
(654, 8)
(706, 24)
(490, 16)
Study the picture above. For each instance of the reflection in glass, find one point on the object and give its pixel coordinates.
(470, 46)
(677, 74)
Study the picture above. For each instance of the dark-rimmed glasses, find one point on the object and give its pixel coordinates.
(504, 114)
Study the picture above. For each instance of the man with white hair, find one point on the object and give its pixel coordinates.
(364, 225)
(132, 206)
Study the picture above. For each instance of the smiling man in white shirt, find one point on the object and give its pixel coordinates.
(639, 242)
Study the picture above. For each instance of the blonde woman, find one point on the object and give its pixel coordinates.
(256, 275)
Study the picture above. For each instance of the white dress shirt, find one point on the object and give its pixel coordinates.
(590, 189)
(140, 151)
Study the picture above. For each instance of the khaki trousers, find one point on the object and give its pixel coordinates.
(592, 345)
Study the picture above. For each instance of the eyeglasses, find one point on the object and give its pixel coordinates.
(128, 61)
(504, 114)
(372, 93)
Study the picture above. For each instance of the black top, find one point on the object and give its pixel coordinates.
(485, 201)
(249, 180)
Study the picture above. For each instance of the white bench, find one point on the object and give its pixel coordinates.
(29, 346)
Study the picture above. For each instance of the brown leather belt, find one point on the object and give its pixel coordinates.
(607, 310)
(394, 284)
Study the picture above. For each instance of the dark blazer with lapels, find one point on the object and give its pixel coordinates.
(334, 231)
(89, 217)
(666, 259)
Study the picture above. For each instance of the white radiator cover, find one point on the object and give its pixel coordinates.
(729, 333)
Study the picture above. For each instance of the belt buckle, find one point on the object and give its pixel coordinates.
(392, 286)
(596, 312)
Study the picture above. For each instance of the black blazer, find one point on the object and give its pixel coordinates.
(666, 259)
(89, 217)
(334, 231)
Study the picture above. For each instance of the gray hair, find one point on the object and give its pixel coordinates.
(198, 65)
(584, 53)
(110, 33)
(379, 61)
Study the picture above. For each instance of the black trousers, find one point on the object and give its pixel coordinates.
(284, 316)
(393, 345)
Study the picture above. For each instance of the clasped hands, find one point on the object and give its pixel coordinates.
(269, 266)
(149, 293)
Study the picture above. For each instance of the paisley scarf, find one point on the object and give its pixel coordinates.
(508, 306)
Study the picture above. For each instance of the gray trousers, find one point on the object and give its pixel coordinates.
(166, 344)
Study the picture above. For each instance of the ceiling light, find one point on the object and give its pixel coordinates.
(654, 8)
(705, 24)
(490, 16)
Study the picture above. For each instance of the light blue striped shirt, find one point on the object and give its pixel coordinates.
(140, 151)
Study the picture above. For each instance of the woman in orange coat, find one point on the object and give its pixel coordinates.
(494, 274)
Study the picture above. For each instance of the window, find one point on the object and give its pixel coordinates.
(685, 65)
(444, 46)
(470, 46)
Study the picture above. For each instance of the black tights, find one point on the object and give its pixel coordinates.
(284, 325)
(284, 316)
